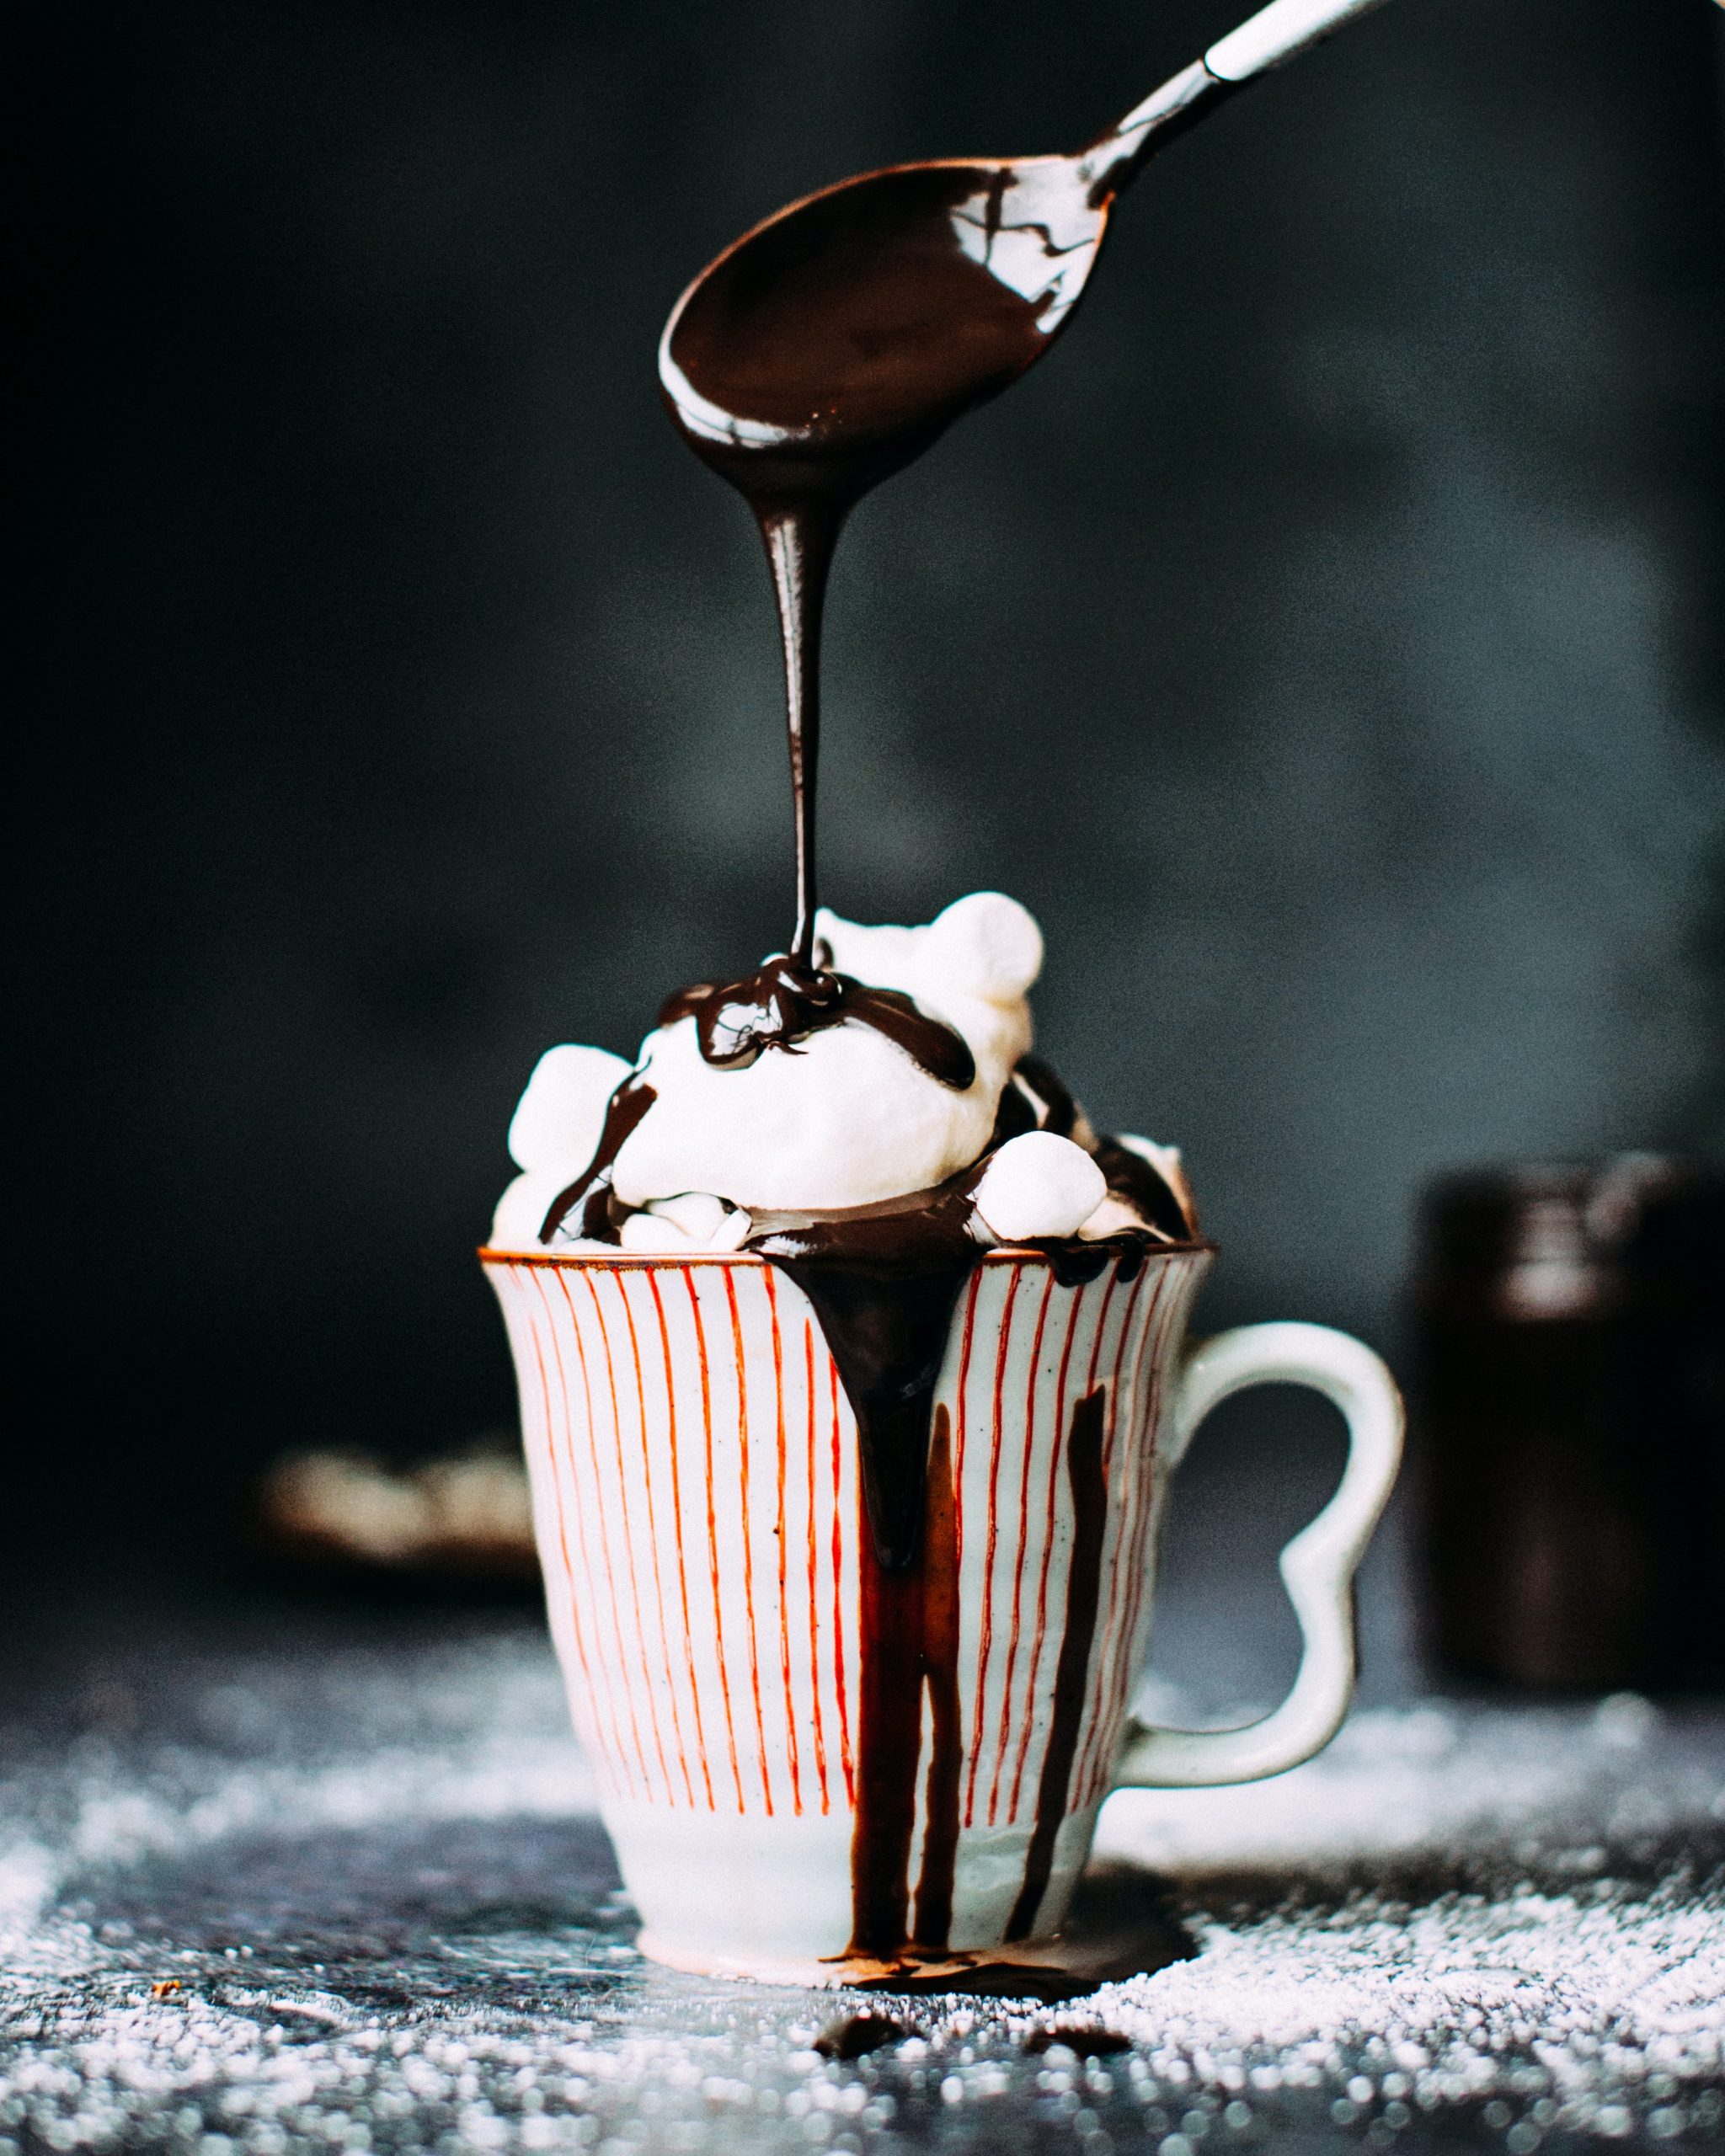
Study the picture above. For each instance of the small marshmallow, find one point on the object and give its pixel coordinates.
(990, 945)
(647, 1234)
(1038, 1185)
(560, 1116)
(696, 1213)
(693, 1220)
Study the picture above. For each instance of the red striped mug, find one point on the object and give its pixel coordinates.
(815, 1770)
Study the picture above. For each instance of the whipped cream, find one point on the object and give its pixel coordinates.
(840, 1119)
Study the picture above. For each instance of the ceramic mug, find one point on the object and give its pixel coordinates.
(815, 1771)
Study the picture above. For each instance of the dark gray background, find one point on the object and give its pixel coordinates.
(1324, 643)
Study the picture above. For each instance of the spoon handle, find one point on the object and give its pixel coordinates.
(1276, 33)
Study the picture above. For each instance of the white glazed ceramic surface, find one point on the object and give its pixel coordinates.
(694, 1468)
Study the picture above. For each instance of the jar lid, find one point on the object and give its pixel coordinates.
(1562, 1238)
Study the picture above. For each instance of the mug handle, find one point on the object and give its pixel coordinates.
(1318, 1565)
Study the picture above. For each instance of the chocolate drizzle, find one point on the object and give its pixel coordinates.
(884, 1281)
(810, 362)
(1053, 1107)
(783, 1001)
(1089, 1487)
(933, 1920)
(588, 1198)
(910, 1621)
(822, 353)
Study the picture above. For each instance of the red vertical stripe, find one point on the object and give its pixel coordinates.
(730, 1289)
(842, 1685)
(1117, 1499)
(626, 1774)
(782, 1535)
(813, 1576)
(564, 1588)
(648, 1701)
(1009, 1705)
(679, 1743)
(676, 1506)
(724, 1681)
(1055, 1497)
(1164, 1324)
(1125, 1435)
(986, 1647)
(1130, 1573)
(971, 1288)
(637, 1775)
(1122, 1463)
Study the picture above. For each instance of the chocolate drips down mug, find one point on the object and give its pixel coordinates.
(815, 1771)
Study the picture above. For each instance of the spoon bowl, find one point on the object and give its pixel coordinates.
(842, 336)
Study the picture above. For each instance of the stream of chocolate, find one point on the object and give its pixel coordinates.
(819, 356)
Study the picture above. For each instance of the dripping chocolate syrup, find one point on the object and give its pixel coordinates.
(820, 354)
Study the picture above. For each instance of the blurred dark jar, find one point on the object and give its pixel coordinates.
(1569, 1422)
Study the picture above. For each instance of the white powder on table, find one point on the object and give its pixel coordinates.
(376, 1886)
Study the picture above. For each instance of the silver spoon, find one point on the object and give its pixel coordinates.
(834, 343)
(847, 330)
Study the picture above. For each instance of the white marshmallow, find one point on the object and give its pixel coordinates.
(696, 1213)
(561, 1114)
(985, 946)
(1038, 1185)
(693, 1220)
(646, 1232)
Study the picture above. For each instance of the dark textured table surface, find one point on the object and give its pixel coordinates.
(289, 1882)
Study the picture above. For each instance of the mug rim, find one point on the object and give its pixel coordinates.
(619, 1260)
